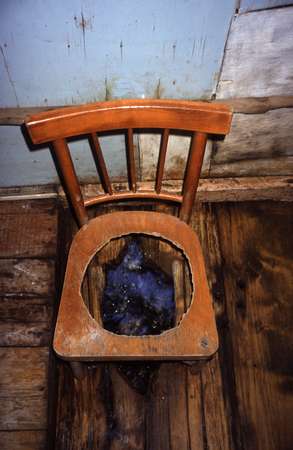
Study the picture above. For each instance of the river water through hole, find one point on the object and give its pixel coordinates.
(138, 299)
(138, 284)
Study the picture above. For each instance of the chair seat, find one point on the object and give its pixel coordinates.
(78, 336)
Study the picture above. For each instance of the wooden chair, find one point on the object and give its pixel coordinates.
(78, 336)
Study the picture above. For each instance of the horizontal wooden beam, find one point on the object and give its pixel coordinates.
(244, 105)
(257, 105)
(221, 189)
(279, 188)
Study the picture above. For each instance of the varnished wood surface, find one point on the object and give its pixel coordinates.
(78, 337)
(241, 399)
(123, 114)
(199, 119)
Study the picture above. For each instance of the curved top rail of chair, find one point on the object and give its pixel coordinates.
(122, 114)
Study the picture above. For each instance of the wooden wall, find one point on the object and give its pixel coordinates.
(71, 52)
(255, 77)
(258, 63)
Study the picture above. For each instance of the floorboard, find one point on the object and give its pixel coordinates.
(257, 248)
(239, 400)
(28, 255)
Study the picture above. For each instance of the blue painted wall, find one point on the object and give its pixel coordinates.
(63, 52)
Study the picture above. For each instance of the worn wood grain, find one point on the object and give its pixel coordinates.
(228, 403)
(26, 310)
(176, 157)
(209, 190)
(23, 440)
(256, 243)
(257, 105)
(28, 247)
(24, 412)
(216, 377)
(23, 388)
(27, 232)
(258, 59)
(25, 334)
(23, 369)
(81, 416)
(27, 277)
(222, 189)
(128, 414)
(253, 5)
(257, 144)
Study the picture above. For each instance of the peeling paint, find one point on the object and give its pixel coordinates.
(114, 51)
(158, 90)
(108, 90)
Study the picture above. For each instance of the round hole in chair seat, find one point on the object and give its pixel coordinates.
(160, 256)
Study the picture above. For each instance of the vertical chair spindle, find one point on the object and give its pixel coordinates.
(192, 174)
(62, 153)
(161, 161)
(105, 180)
(130, 161)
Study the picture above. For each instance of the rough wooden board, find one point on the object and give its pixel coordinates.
(256, 243)
(27, 235)
(225, 405)
(209, 190)
(258, 58)
(24, 412)
(217, 390)
(177, 152)
(224, 189)
(23, 440)
(81, 418)
(257, 144)
(16, 116)
(129, 411)
(253, 5)
(23, 369)
(269, 166)
(27, 193)
(25, 334)
(25, 310)
(23, 388)
(27, 277)
(30, 207)
(257, 105)
(217, 421)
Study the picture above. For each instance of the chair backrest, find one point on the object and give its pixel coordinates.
(199, 118)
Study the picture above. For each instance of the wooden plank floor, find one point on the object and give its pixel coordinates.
(240, 400)
(28, 250)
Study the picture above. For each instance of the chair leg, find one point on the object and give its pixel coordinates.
(78, 369)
